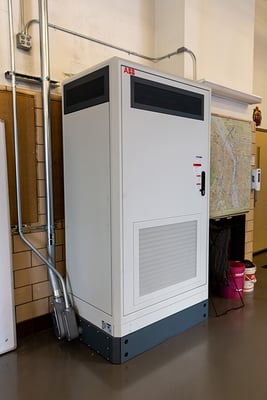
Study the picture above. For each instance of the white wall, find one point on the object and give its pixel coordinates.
(221, 33)
(260, 56)
(128, 24)
(169, 34)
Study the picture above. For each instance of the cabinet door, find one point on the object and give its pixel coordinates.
(165, 159)
(7, 317)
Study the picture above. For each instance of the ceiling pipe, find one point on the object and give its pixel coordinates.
(180, 50)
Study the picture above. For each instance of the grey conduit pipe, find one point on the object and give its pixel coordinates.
(180, 50)
(22, 22)
(193, 57)
(65, 317)
(45, 78)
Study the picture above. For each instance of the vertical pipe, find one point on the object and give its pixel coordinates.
(14, 107)
(17, 164)
(64, 316)
(194, 60)
(45, 76)
(22, 23)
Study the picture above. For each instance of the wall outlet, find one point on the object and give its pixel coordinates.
(24, 41)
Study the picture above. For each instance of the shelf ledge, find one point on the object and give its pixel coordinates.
(232, 94)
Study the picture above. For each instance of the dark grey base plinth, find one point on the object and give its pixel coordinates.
(120, 349)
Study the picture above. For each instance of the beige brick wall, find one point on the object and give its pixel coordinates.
(31, 285)
(250, 214)
(32, 291)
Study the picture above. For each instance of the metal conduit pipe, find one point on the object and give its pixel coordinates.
(194, 60)
(45, 78)
(65, 323)
(180, 50)
(64, 317)
(16, 150)
(22, 22)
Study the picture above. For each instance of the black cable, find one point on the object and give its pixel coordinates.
(232, 308)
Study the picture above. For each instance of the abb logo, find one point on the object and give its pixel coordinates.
(128, 70)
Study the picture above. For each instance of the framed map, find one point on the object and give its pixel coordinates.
(230, 166)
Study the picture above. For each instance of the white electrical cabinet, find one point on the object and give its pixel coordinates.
(7, 317)
(136, 173)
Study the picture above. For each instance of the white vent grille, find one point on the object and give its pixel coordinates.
(167, 255)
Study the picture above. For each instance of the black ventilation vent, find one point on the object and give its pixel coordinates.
(154, 96)
(87, 91)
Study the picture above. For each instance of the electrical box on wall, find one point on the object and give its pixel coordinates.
(256, 179)
(136, 173)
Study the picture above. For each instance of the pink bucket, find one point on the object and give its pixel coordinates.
(233, 287)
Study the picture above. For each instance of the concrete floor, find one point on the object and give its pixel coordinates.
(222, 358)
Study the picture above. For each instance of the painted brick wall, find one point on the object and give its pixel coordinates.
(32, 290)
(250, 214)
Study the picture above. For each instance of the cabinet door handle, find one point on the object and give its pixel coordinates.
(203, 183)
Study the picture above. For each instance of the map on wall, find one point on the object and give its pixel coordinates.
(230, 166)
